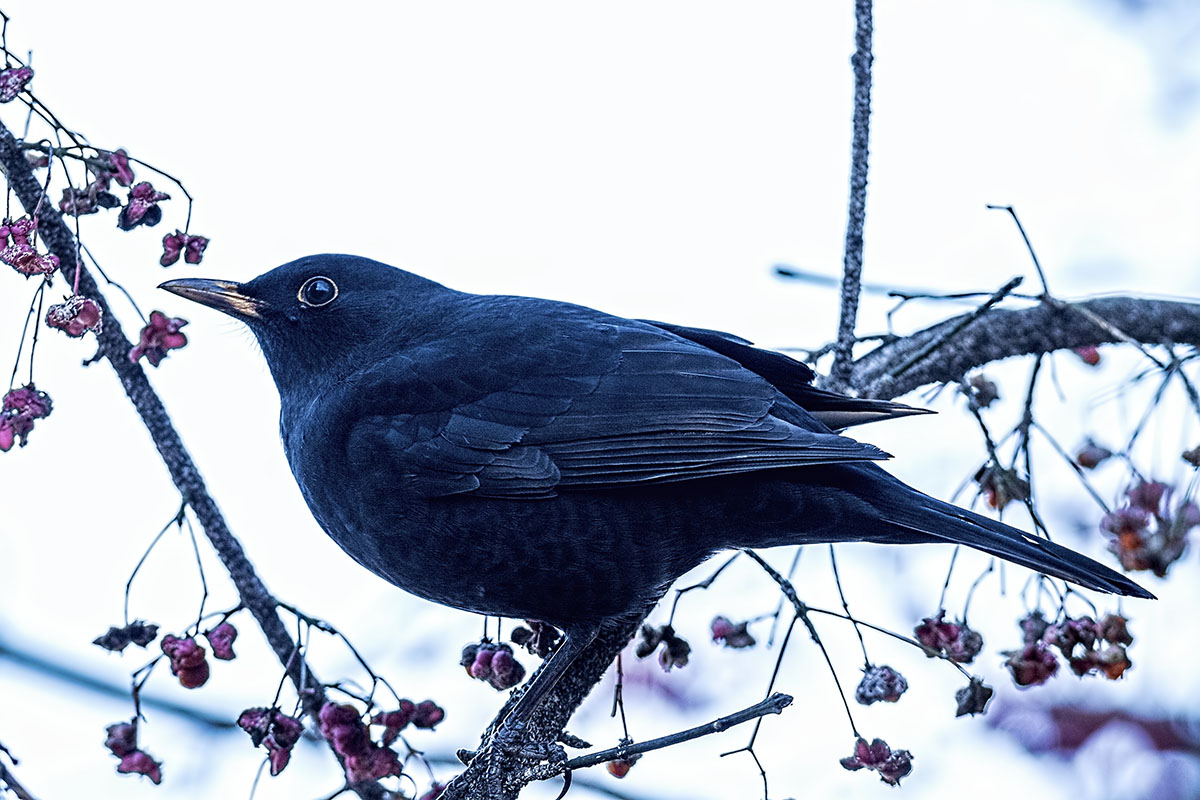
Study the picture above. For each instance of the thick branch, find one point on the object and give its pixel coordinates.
(1001, 334)
(115, 347)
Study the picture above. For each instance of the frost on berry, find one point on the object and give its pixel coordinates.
(76, 316)
(955, 641)
(973, 698)
(18, 411)
(1001, 486)
(142, 207)
(880, 684)
(892, 765)
(158, 336)
(492, 663)
(1146, 535)
(730, 634)
(138, 632)
(18, 251)
(274, 730)
(539, 638)
(191, 247)
(188, 662)
(12, 82)
(221, 638)
(675, 651)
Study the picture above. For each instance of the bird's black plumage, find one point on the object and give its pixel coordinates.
(530, 458)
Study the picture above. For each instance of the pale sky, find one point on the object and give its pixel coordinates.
(650, 159)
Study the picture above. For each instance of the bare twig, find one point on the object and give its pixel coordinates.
(774, 704)
(948, 334)
(857, 207)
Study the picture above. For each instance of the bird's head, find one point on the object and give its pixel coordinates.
(319, 316)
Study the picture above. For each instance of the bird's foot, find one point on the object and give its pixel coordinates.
(512, 740)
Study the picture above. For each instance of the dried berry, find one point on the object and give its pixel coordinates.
(1192, 456)
(192, 248)
(1145, 535)
(12, 82)
(730, 634)
(139, 763)
(1032, 665)
(892, 765)
(142, 207)
(539, 638)
(122, 738)
(274, 730)
(880, 684)
(137, 632)
(956, 641)
(675, 650)
(18, 251)
(120, 169)
(619, 767)
(981, 391)
(1088, 354)
(1090, 455)
(1001, 486)
(158, 336)
(76, 316)
(221, 638)
(188, 662)
(973, 698)
(492, 663)
(18, 411)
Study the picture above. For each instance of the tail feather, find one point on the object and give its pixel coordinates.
(944, 522)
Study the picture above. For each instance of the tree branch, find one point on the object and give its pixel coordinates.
(775, 704)
(115, 347)
(1001, 334)
(857, 208)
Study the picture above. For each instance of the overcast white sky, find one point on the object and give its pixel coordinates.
(650, 159)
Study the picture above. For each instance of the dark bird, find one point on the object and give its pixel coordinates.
(528, 458)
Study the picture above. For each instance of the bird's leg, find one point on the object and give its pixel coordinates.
(575, 640)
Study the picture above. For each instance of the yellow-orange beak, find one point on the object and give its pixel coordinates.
(224, 296)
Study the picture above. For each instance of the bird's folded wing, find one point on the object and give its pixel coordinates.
(795, 379)
(602, 407)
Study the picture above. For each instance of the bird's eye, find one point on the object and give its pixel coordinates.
(318, 291)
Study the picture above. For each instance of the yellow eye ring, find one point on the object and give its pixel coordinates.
(317, 291)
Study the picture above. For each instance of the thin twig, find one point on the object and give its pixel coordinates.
(945, 336)
(774, 704)
(1028, 244)
(789, 591)
(856, 212)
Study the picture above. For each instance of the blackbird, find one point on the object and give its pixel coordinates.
(535, 459)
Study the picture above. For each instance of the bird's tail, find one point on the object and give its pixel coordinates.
(936, 521)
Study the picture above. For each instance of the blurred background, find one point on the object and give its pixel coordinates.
(653, 160)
